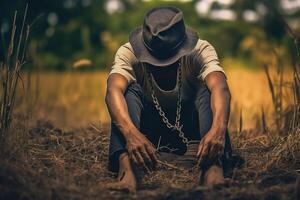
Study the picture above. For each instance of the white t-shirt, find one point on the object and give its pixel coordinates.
(195, 67)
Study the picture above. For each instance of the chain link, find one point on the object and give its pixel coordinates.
(177, 126)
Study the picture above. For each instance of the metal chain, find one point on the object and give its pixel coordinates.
(162, 114)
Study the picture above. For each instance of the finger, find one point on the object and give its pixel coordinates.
(141, 161)
(220, 151)
(200, 149)
(203, 157)
(214, 155)
(153, 156)
(153, 146)
(220, 156)
(133, 158)
(152, 153)
(150, 144)
(146, 158)
(136, 158)
(216, 151)
(212, 152)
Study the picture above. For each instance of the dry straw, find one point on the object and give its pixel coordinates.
(10, 69)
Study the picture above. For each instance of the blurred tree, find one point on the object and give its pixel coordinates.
(273, 22)
(66, 31)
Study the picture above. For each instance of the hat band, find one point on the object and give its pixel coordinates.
(171, 50)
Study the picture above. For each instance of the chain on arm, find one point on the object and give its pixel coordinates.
(177, 126)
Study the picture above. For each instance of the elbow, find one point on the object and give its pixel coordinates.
(107, 96)
(228, 93)
(225, 91)
(111, 93)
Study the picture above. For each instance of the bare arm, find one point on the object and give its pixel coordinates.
(220, 100)
(116, 104)
(140, 149)
(212, 145)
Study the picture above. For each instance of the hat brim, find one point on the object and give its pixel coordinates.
(143, 54)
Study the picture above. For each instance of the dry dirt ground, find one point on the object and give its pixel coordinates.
(64, 161)
(55, 164)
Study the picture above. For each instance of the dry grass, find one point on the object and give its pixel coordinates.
(57, 164)
(250, 92)
(10, 69)
(68, 97)
(67, 157)
(57, 145)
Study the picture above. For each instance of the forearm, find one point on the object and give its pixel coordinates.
(212, 145)
(118, 110)
(220, 105)
(139, 148)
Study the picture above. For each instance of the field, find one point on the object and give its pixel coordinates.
(54, 124)
(76, 99)
(58, 146)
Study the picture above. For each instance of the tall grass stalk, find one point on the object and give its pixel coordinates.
(276, 89)
(296, 91)
(283, 118)
(241, 121)
(263, 120)
(295, 109)
(285, 153)
(10, 69)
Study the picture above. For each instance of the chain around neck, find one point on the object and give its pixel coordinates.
(177, 126)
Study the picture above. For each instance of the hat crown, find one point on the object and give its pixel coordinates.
(163, 31)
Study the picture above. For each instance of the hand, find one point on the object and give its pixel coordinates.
(211, 147)
(141, 151)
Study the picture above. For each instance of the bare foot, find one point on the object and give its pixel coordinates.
(126, 183)
(127, 178)
(214, 176)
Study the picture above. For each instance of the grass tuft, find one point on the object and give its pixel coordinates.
(10, 70)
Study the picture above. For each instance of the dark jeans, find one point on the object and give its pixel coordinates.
(196, 117)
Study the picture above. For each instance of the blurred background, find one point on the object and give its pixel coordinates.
(72, 45)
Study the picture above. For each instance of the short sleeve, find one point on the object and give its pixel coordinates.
(207, 59)
(123, 63)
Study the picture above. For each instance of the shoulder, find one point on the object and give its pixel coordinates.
(203, 52)
(202, 45)
(125, 49)
(127, 46)
(125, 52)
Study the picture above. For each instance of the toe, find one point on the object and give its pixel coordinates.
(120, 186)
(117, 187)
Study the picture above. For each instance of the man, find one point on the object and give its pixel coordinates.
(166, 89)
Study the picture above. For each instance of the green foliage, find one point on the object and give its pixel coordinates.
(65, 31)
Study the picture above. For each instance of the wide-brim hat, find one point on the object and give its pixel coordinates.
(163, 38)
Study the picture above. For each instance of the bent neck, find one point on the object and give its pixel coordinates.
(165, 77)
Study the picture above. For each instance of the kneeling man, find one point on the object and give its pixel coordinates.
(166, 89)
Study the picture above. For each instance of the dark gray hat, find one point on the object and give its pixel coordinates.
(163, 38)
